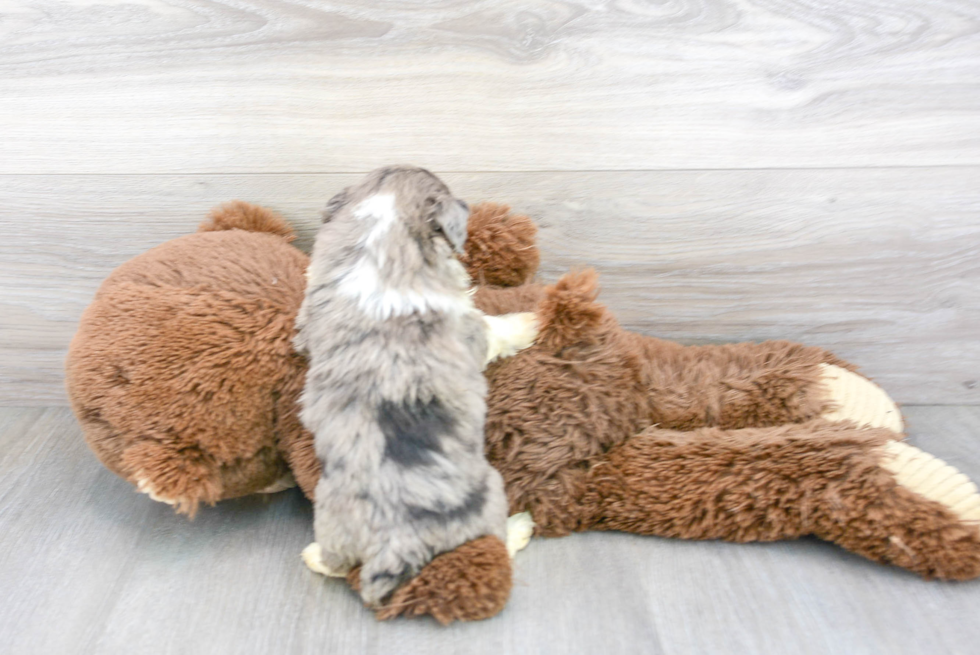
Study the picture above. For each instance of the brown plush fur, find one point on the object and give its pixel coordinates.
(182, 370)
(766, 484)
(604, 385)
(500, 247)
(470, 583)
(238, 215)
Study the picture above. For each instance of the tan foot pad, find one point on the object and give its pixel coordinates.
(144, 486)
(859, 400)
(285, 482)
(932, 478)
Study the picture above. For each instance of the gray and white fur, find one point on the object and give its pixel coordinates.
(395, 395)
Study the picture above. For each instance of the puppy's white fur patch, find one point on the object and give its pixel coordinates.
(363, 284)
(380, 207)
(312, 558)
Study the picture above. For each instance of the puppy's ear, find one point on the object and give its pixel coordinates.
(335, 203)
(448, 216)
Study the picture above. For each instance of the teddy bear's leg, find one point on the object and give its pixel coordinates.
(857, 487)
(469, 583)
(758, 384)
(920, 513)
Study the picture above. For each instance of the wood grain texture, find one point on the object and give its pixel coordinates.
(880, 266)
(89, 566)
(225, 86)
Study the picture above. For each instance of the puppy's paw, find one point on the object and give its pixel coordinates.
(520, 527)
(144, 486)
(510, 333)
(312, 556)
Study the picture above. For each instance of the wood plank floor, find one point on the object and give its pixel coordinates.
(89, 566)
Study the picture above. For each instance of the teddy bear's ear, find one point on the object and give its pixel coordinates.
(569, 315)
(239, 215)
(500, 246)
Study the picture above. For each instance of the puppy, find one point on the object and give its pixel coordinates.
(395, 395)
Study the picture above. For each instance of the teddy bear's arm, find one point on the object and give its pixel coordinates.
(509, 333)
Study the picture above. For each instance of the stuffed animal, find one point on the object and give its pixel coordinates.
(185, 383)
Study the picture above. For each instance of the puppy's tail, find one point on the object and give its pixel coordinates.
(239, 215)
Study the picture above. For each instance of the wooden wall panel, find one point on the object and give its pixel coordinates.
(264, 86)
(882, 266)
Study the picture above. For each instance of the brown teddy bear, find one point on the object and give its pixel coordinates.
(183, 377)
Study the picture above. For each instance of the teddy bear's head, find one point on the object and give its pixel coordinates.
(500, 247)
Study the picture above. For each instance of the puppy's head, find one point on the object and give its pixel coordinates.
(405, 201)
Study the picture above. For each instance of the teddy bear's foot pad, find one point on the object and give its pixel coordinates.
(520, 527)
(857, 399)
(933, 479)
(312, 556)
(285, 482)
(144, 486)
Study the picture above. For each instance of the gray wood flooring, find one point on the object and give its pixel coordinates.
(89, 566)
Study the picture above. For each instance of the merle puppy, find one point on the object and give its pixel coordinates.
(395, 395)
